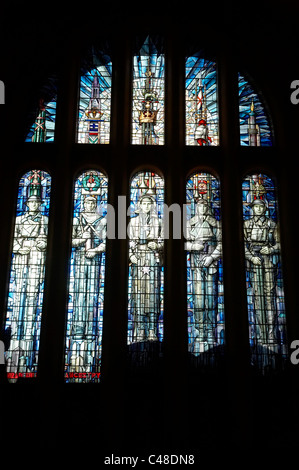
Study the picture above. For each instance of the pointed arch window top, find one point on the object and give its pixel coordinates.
(201, 102)
(95, 98)
(148, 95)
(43, 118)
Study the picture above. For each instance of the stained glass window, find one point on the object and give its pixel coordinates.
(86, 281)
(201, 102)
(42, 126)
(146, 271)
(95, 98)
(26, 285)
(205, 305)
(148, 94)
(255, 129)
(264, 280)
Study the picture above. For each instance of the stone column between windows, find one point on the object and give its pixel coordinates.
(176, 341)
(237, 338)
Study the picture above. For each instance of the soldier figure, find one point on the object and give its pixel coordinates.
(29, 249)
(145, 252)
(203, 236)
(89, 241)
(261, 244)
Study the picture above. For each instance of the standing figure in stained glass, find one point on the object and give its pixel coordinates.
(89, 241)
(261, 245)
(203, 235)
(29, 249)
(145, 252)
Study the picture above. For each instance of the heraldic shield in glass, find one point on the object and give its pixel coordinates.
(201, 102)
(148, 94)
(26, 284)
(146, 272)
(43, 117)
(264, 280)
(205, 304)
(86, 279)
(255, 130)
(95, 98)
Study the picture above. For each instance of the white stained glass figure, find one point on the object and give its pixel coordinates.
(204, 264)
(87, 273)
(146, 246)
(265, 292)
(26, 286)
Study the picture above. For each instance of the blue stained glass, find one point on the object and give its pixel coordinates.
(26, 286)
(148, 95)
(255, 129)
(264, 279)
(205, 305)
(95, 99)
(201, 102)
(83, 347)
(146, 269)
(44, 117)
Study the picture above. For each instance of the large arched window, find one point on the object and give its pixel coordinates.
(27, 275)
(86, 280)
(205, 302)
(146, 268)
(264, 280)
(145, 304)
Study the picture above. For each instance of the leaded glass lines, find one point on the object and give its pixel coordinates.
(264, 280)
(255, 130)
(26, 286)
(146, 268)
(205, 305)
(43, 128)
(201, 104)
(148, 96)
(83, 346)
(95, 100)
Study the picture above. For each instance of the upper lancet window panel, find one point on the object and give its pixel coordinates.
(205, 302)
(26, 285)
(83, 348)
(146, 269)
(148, 94)
(95, 97)
(264, 279)
(255, 129)
(42, 119)
(201, 103)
